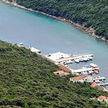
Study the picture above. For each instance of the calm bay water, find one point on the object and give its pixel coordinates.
(50, 35)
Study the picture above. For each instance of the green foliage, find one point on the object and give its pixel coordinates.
(89, 13)
(27, 81)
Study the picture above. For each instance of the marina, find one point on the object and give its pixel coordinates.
(82, 75)
(51, 36)
(62, 58)
(85, 70)
(54, 64)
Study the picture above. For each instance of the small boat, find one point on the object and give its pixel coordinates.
(99, 79)
(77, 61)
(93, 65)
(96, 71)
(90, 72)
(81, 59)
(90, 58)
(86, 59)
(69, 62)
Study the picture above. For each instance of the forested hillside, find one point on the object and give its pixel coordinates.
(89, 13)
(27, 81)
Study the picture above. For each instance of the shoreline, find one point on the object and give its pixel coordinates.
(89, 31)
(58, 18)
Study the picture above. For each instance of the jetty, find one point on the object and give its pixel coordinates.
(103, 84)
(62, 58)
(86, 70)
(99, 79)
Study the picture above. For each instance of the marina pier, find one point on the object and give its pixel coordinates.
(62, 60)
(103, 84)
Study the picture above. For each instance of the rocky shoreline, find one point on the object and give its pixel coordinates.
(89, 31)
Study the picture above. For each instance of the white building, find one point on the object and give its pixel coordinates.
(103, 98)
(82, 78)
(35, 50)
(21, 45)
(57, 56)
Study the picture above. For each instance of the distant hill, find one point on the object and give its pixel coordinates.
(88, 13)
(27, 81)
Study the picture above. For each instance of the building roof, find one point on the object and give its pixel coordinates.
(21, 43)
(102, 97)
(34, 50)
(61, 73)
(96, 71)
(93, 85)
(99, 87)
(64, 68)
(81, 77)
(57, 55)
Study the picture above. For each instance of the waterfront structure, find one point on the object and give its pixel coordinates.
(65, 68)
(85, 70)
(32, 49)
(103, 99)
(35, 50)
(93, 85)
(103, 84)
(57, 56)
(21, 45)
(85, 73)
(101, 88)
(62, 58)
(82, 78)
(99, 79)
(61, 73)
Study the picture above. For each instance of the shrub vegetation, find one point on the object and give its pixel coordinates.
(27, 81)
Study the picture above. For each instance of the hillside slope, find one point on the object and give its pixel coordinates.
(27, 81)
(88, 13)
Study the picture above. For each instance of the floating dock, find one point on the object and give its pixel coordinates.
(62, 58)
(103, 84)
(86, 70)
(99, 79)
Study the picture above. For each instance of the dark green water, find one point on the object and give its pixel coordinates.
(50, 35)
